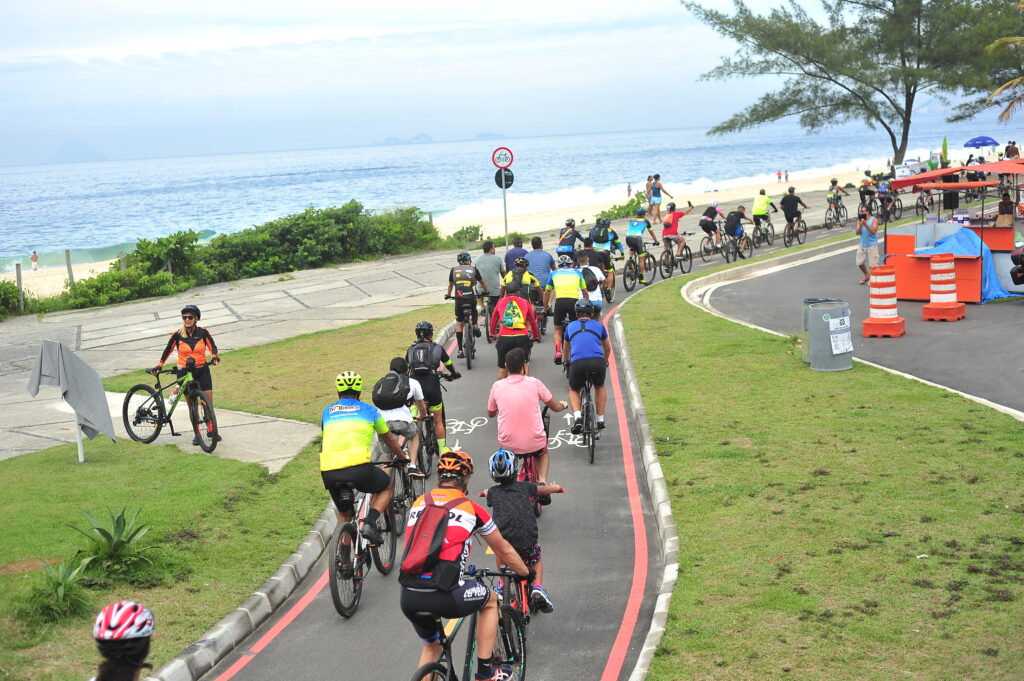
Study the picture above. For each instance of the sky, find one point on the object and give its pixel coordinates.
(153, 79)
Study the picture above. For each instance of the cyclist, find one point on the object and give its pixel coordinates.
(516, 402)
(605, 241)
(122, 632)
(491, 269)
(832, 194)
(513, 514)
(635, 238)
(886, 200)
(400, 419)
(734, 226)
(444, 592)
(670, 229)
(565, 286)
(707, 222)
(529, 285)
(567, 238)
(424, 357)
(347, 428)
(594, 278)
(587, 347)
(791, 204)
(762, 202)
(463, 279)
(515, 326)
(867, 187)
(193, 342)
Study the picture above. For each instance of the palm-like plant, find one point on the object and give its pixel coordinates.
(116, 545)
(995, 48)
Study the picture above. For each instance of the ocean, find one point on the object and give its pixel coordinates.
(98, 209)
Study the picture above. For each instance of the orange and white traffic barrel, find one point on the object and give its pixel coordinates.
(943, 306)
(884, 320)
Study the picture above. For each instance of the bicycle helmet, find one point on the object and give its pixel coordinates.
(640, 212)
(424, 329)
(714, 204)
(502, 466)
(349, 380)
(521, 263)
(565, 260)
(570, 223)
(670, 207)
(454, 464)
(463, 257)
(835, 181)
(604, 221)
(122, 632)
(762, 192)
(584, 306)
(193, 310)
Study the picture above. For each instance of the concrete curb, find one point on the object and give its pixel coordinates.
(659, 499)
(222, 638)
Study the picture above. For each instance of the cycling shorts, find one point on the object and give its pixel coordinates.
(565, 311)
(431, 385)
(365, 477)
(759, 218)
(792, 217)
(531, 555)
(506, 343)
(737, 233)
(708, 226)
(578, 370)
(465, 310)
(671, 239)
(201, 375)
(606, 259)
(635, 243)
(459, 602)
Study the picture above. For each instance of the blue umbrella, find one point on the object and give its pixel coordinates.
(979, 142)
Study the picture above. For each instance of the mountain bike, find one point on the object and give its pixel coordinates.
(924, 204)
(671, 260)
(794, 231)
(509, 644)
(145, 409)
(707, 244)
(836, 214)
(428, 451)
(591, 434)
(733, 247)
(351, 553)
(631, 270)
(469, 335)
(406, 487)
(763, 233)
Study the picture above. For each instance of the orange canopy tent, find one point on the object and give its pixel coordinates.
(959, 185)
(924, 177)
(1014, 167)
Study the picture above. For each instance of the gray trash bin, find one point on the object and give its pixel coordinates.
(807, 310)
(830, 336)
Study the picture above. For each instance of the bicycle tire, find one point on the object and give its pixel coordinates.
(469, 346)
(384, 555)
(844, 214)
(432, 671)
(747, 245)
(510, 644)
(897, 208)
(667, 263)
(345, 593)
(142, 406)
(706, 249)
(830, 219)
(400, 498)
(727, 246)
(650, 267)
(589, 424)
(921, 207)
(428, 447)
(801, 230)
(685, 261)
(630, 274)
(204, 420)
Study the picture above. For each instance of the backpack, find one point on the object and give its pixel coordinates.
(600, 234)
(423, 545)
(583, 329)
(513, 317)
(419, 358)
(391, 391)
(589, 278)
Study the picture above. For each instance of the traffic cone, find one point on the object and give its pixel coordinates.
(943, 306)
(884, 321)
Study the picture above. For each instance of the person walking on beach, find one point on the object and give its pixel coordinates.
(787, 176)
(655, 207)
(35, 261)
(778, 177)
(647, 193)
(867, 250)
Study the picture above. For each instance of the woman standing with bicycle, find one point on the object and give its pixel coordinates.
(193, 342)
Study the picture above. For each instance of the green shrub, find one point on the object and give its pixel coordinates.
(60, 595)
(466, 235)
(8, 298)
(400, 231)
(176, 250)
(625, 210)
(116, 286)
(116, 547)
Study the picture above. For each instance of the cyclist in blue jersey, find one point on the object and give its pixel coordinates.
(567, 238)
(605, 240)
(635, 239)
(586, 347)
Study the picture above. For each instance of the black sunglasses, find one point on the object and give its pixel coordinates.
(188, 316)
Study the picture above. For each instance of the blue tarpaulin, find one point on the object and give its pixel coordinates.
(966, 242)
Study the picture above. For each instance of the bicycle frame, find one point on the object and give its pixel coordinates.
(186, 386)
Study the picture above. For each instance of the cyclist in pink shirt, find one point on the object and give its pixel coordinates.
(516, 402)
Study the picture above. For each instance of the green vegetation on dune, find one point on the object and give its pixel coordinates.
(832, 525)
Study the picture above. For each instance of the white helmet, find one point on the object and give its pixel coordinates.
(714, 204)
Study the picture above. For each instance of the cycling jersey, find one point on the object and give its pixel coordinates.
(568, 237)
(637, 227)
(464, 277)
(527, 279)
(464, 520)
(348, 426)
(566, 283)
(585, 337)
(190, 347)
(671, 226)
(613, 238)
(790, 205)
(761, 204)
(514, 316)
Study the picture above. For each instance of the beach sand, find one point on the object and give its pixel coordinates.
(49, 281)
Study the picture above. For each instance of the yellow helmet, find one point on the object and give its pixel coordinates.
(349, 380)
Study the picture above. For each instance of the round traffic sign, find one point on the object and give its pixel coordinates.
(502, 157)
(504, 174)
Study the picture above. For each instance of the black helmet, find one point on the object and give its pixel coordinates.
(570, 223)
(835, 181)
(641, 211)
(463, 257)
(424, 329)
(670, 207)
(762, 192)
(521, 263)
(193, 310)
(584, 307)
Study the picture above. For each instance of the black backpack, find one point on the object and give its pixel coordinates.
(419, 358)
(600, 234)
(391, 391)
(589, 278)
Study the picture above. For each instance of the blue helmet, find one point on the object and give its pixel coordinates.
(641, 211)
(502, 466)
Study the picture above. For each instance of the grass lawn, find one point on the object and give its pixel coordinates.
(222, 526)
(849, 525)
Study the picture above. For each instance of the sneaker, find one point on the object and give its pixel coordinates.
(372, 534)
(540, 600)
(558, 358)
(601, 425)
(462, 354)
(415, 472)
(476, 331)
(644, 281)
(216, 437)
(195, 441)
(499, 672)
(577, 425)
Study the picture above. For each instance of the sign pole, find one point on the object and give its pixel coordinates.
(502, 159)
(504, 208)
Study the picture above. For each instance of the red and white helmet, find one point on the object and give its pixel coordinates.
(123, 620)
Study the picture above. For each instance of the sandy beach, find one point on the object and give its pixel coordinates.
(49, 281)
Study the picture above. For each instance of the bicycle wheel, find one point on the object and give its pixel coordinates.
(769, 233)
(787, 236)
(589, 425)
(650, 267)
(143, 413)
(543, 325)
(801, 230)
(897, 209)
(346, 570)
(428, 447)
(432, 671)
(384, 554)
(685, 261)
(469, 347)
(630, 274)
(844, 215)
(402, 498)
(830, 219)
(667, 264)
(706, 248)
(204, 420)
(727, 246)
(510, 644)
(746, 246)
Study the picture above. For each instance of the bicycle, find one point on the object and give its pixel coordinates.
(836, 215)
(763, 233)
(468, 337)
(707, 244)
(891, 209)
(631, 270)
(733, 247)
(527, 463)
(428, 451)
(924, 204)
(145, 409)
(509, 644)
(670, 259)
(795, 230)
(591, 434)
(406, 488)
(351, 553)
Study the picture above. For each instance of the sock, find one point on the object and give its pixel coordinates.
(441, 445)
(577, 414)
(600, 418)
(483, 666)
(538, 585)
(458, 337)
(371, 516)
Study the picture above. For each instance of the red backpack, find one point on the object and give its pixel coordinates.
(423, 546)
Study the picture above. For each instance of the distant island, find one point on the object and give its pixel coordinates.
(422, 138)
(74, 151)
